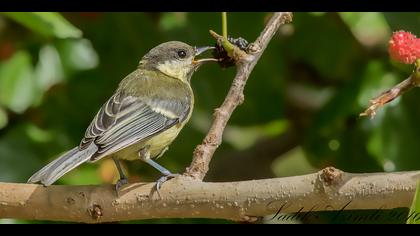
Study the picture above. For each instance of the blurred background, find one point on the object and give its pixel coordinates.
(301, 102)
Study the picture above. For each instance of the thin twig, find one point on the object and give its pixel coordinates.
(245, 64)
(387, 97)
(224, 24)
(326, 190)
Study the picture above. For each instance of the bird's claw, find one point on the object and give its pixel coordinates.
(120, 183)
(162, 180)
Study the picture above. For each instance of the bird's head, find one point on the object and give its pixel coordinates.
(175, 59)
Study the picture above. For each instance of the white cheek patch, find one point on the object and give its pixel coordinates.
(176, 69)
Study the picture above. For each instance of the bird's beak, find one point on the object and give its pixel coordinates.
(199, 51)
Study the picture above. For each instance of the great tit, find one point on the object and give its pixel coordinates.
(146, 113)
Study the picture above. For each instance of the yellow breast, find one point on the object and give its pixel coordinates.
(161, 141)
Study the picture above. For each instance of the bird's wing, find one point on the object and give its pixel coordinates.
(124, 120)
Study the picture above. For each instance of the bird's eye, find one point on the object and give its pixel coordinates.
(182, 53)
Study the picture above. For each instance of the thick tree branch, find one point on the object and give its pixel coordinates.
(245, 63)
(185, 197)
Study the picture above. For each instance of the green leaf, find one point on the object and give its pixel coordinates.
(370, 28)
(17, 86)
(49, 70)
(46, 23)
(77, 55)
(414, 215)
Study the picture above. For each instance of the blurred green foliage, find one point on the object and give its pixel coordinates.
(316, 76)
(414, 215)
(50, 24)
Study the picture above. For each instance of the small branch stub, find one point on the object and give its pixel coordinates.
(95, 211)
(331, 175)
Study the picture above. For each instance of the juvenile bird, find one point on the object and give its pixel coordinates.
(142, 118)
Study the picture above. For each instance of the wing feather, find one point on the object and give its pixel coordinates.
(124, 120)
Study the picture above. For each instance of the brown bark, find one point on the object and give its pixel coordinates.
(185, 197)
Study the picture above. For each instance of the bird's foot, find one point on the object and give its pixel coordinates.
(163, 179)
(121, 182)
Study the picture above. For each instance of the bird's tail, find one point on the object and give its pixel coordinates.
(63, 164)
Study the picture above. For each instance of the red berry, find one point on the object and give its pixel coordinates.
(404, 47)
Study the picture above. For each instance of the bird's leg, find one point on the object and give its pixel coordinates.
(123, 178)
(144, 155)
